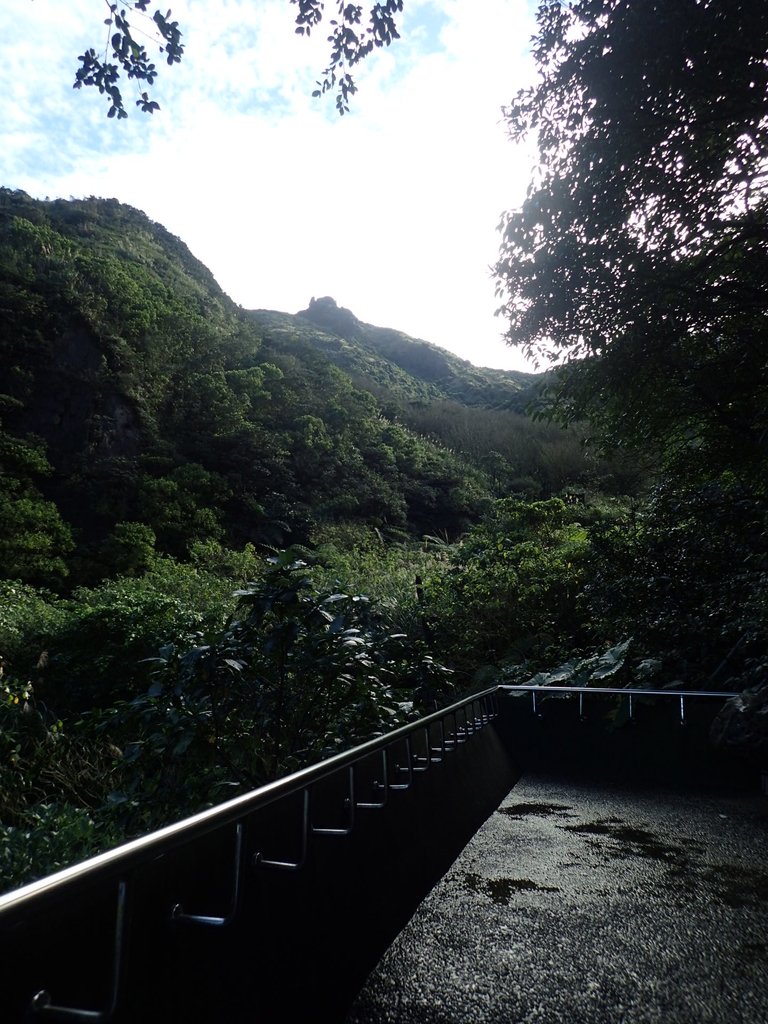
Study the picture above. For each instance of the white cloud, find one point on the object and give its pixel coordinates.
(391, 209)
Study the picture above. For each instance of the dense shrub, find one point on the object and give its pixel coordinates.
(511, 592)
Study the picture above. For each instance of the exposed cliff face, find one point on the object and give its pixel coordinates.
(78, 404)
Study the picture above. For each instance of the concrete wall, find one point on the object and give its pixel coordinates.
(653, 748)
(303, 941)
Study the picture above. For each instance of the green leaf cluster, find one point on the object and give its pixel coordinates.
(125, 706)
(511, 592)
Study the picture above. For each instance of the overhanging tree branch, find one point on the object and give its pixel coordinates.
(123, 56)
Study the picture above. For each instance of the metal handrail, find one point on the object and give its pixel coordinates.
(120, 860)
(456, 725)
(625, 691)
(598, 691)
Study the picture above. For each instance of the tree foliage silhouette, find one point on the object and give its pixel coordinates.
(125, 57)
(643, 242)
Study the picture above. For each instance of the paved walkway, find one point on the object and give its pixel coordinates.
(576, 904)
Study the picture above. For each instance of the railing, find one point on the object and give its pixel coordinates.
(631, 695)
(273, 894)
(364, 779)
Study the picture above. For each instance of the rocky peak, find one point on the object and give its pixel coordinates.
(331, 317)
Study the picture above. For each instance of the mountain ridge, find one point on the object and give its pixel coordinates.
(389, 358)
(339, 320)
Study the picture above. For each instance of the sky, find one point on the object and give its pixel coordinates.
(392, 209)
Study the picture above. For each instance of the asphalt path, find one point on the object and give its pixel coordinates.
(577, 904)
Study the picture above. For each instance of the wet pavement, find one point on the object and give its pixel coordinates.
(577, 904)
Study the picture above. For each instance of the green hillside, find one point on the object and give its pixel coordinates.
(135, 392)
(411, 367)
(479, 413)
(141, 408)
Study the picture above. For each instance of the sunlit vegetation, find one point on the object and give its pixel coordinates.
(232, 543)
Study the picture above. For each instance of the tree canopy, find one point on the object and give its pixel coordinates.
(641, 251)
(123, 56)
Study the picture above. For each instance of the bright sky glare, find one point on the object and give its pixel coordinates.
(392, 209)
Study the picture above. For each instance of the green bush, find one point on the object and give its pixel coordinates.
(687, 576)
(99, 639)
(297, 674)
(362, 561)
(52, 837)
(52, 784)
(511, 593)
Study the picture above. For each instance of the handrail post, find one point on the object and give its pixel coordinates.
(349, 804)
(441, 748)
(421, 764)
(41, 1004)
(408, 770)
(259, 861)
(177, 912)
(378, 805)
